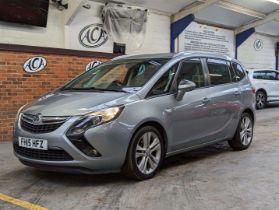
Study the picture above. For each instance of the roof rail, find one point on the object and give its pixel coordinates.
(203, 53)
(120, 57)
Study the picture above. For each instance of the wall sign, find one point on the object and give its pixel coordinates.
(258, 44)
(92, 36)
(92, 65)
(35, 64)
(199, 37)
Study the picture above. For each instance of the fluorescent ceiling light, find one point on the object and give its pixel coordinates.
(274, 1)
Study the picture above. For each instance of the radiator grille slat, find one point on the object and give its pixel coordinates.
(47, 124)
(48, 155)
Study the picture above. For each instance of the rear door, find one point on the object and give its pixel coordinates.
(276, 90)
(224, 98)
(273, 84)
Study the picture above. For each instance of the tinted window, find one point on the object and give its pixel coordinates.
(259, 75)
(192, 70)
(239, 72)
(266, 75)
(233, 74)
(163, 85)
(219, 71)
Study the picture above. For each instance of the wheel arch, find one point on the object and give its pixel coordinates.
(156, 125)
(250, 112)
(263, 90)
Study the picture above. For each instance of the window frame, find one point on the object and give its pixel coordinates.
(174, 85)
(229, 66)
(206, 84)
(243, 70)
(148, 96)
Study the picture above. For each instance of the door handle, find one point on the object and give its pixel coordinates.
(205, 100)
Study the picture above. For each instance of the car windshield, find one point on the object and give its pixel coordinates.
(122, 76)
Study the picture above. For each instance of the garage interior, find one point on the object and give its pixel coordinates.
(39, 55)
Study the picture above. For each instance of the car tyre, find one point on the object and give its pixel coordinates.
(145, 154)
(260, 99)
(244, 133)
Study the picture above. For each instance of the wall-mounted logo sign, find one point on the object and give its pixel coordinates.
(92, 65)
(258, 44)
(93, 36)
(35, 64)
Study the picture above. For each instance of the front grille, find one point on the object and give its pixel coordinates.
(49, 155)
(40, 124)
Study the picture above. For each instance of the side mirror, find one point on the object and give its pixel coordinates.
(183, 87)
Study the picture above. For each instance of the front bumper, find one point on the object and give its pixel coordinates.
(111, 140)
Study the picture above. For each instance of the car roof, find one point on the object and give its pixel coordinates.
(172, 55)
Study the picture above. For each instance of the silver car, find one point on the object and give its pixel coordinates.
(130, 113)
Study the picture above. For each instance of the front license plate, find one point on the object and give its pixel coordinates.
(32, 143)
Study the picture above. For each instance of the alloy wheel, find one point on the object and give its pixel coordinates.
(148, 152)
(246, 131)
(260, 100)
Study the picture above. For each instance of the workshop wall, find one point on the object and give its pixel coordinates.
(61, 32)
(258, 51)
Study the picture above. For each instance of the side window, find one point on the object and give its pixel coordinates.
(239, 72)
(192, 70)
(271, 75)
(163, 85)
(219, 71)
(266, 75)
(259, 75)
(233, 74)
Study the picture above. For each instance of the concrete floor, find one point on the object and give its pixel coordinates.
(211, 178)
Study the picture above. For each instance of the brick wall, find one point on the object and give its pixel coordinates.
(18, 87)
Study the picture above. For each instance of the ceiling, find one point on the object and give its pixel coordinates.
(232, 14)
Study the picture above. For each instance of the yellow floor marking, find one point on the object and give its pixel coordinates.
(23, 204)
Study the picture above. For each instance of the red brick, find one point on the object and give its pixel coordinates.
(18, 87)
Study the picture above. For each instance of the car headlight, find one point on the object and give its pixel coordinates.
(19, 111)
(75, 133)
(94, 119)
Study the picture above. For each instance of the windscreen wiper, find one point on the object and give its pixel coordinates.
(94, 89)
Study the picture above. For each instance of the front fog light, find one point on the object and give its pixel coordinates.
(82, 144)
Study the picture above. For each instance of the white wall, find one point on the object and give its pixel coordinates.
(263, 58)
(58, 34)
(52, 36)
(204, 38)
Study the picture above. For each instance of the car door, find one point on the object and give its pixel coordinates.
(225, 99)
(276, 90)
(272, 85)
(261, 81)
(190, 117)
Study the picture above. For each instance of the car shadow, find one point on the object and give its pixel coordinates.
(272, 105)
(106, 179)
(196, 155)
